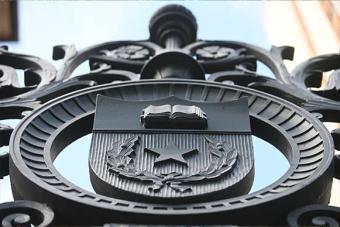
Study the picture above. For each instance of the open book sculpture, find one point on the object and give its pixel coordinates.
(177, 116)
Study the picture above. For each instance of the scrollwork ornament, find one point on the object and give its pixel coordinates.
(315, 215)
(16, 220)
(130, 52)
(222, 56)
(63, 111)
(213, 52)
(43, 82)
(25, 213)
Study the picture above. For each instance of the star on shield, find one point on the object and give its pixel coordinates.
(171, 152)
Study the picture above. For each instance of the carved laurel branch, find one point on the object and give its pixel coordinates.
(120, 162)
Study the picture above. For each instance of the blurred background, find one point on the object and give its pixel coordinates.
(34, 27)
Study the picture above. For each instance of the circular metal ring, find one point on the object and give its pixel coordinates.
(43, 134)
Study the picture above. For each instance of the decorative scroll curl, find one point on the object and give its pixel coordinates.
(227, 62)
(25, 213)
(315, 215)
(301, 87)
(216, 56)
(43, 82)
(129, 52)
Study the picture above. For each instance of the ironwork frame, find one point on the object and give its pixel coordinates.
(59, 108)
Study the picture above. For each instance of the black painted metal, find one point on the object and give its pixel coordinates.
(208, 173)
(25, 213)
(315, 215)
(147, 160)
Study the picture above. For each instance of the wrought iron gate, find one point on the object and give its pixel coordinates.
(170, 144)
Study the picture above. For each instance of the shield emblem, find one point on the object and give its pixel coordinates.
(171, 149)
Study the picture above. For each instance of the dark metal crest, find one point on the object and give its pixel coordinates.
(171, 148)
(171, 120)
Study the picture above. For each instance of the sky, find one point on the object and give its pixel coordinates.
(43, 25)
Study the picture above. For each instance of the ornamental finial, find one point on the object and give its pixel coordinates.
(173, 26)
